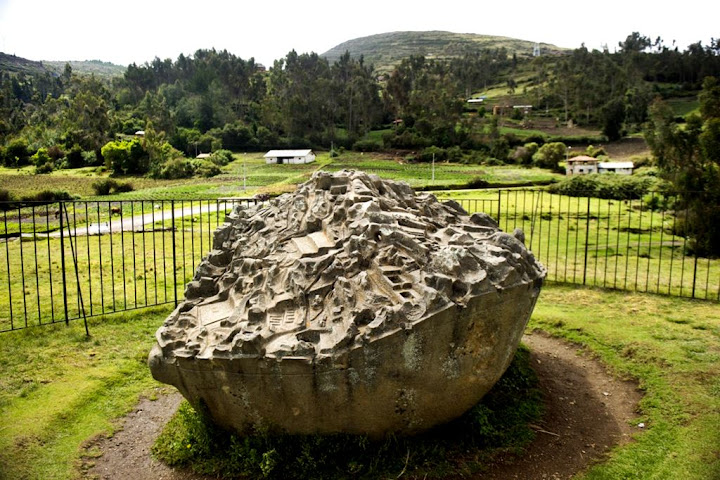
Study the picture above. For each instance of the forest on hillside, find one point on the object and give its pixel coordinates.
(214, 100)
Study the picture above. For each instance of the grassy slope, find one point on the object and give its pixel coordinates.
(59, 388)
(387, 49)
(673, 348)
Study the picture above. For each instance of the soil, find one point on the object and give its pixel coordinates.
(588, 411)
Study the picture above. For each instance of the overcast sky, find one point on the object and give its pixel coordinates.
(137, 31)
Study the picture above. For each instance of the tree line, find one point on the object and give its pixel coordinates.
(213, 100)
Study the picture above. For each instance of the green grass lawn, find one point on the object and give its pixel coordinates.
(249, 174)
(606, 243)
(59, 388)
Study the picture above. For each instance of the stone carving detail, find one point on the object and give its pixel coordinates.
(353, 305)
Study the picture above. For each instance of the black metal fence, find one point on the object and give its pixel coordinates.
(75, 259)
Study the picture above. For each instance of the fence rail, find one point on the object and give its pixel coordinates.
(75, 259)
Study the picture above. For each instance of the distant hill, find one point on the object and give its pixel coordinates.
(87, 67)
(15, 64)
(387, 49)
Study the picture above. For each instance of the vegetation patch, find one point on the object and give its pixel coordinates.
(609, 186)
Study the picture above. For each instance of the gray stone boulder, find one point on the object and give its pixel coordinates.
(352, 305)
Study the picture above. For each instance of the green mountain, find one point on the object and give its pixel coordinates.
(387, 49)
(15, 64)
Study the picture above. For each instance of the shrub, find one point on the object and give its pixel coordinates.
(206, 168)
(174, 168)
(550, 155)
(221, 157)
(605, 185)
(46, 167)
(74, 157)
(104, 186)
(40, 157)
(55, 153)
(124, 187)
(91, 159)
(17, 153)
(48, 196)
(427, 154)
(5, 195)
(478, 182)
(367, 146)
(107, 186)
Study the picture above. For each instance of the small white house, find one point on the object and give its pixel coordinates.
(581, 165)
(289, 156)
(621, 168)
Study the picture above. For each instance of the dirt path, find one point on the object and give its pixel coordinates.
(587, 412)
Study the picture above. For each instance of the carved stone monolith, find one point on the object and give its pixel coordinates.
(352, 305)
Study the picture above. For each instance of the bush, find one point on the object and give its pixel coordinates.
(46, 167)
(17, 153)
(48, 196)
(221, 157)
(41, 157)
(177, 167)
(367, 146)
(124, 187)
(108, 185)
(206, 168)
(427, 154)
(55, 153)
(5, 195)
(103, 187)
(604, 185)
(550, 155)
(74, 157)
(91, 159)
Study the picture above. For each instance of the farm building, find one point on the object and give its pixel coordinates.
(289, 156)
(621, 168)
(583, 164)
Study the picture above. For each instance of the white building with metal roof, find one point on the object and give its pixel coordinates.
(289, 156)
(621, 168)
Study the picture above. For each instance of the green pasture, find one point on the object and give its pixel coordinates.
(619, 244)
(119, 271)
(249, 174)
(607, 243)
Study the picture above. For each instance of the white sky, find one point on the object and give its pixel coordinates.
(139, 30)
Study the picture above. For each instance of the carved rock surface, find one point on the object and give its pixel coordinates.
(352, 305)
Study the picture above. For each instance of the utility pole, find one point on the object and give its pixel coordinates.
(433, 168)
(244, 174)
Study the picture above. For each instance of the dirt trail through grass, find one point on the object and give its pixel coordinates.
(588, 411)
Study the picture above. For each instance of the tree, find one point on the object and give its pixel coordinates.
(550, 155)
(688, 156)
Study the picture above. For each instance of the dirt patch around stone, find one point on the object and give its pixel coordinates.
(588, 411)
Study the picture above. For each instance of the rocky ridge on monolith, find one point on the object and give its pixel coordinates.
(352, 305)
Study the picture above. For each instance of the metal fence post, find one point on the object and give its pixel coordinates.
(587, 239)
(61, 209)
(499, 197)
(172, 234)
